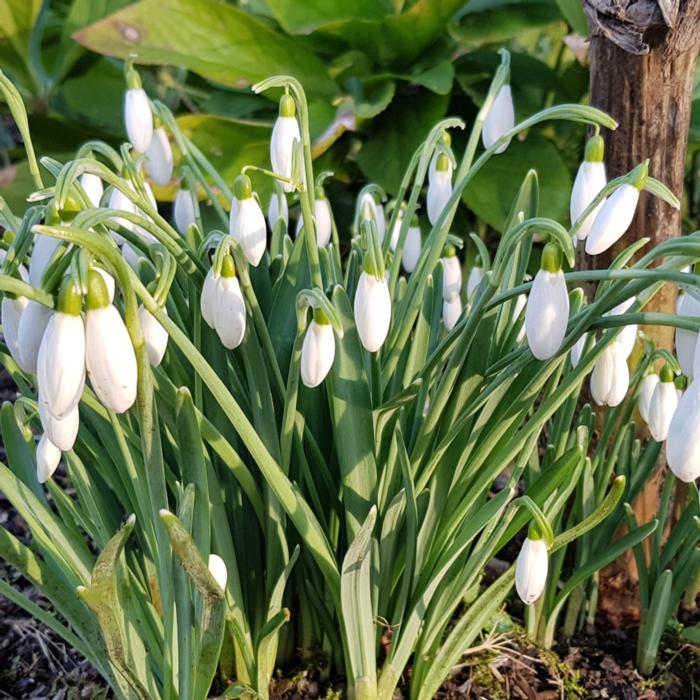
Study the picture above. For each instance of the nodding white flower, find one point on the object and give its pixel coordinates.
(610, 378)
(12, 310)
(109, 355)
(44, 249)
(217, 569)
(48, 457)
(278, 209)
(318, 350)
(446, 139)
(439, 187)
(159, 158)
(577, 350)
(183, 210)
(646, 391)
(61, 363)
(118, 200)
(531, 570)
(93, 187)
(628, 334)
(138, 117)
(451, 275)
(206, 301)
(547, 310)
(154, 335)
(476, 274)
(62, 432)
(131, 255)
(412, 247)
(372, 310)
(322, 222)
(520, 304)
(683, 439)
(228, 306)
(284, 134)
(662, 406)
(499, 120)
(681, 384)
(372, 210)
(451, 311)
(590, 180)
(395, 233)
(616, 214)
(31, 330)
(146, 236)
(687, 341)
(247, 223)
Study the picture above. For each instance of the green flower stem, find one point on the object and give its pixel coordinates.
(18, 288)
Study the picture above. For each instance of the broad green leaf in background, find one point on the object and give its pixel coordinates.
(219, 41)
(397, 133)
(305, 17)
(493, 189)
(17, 18)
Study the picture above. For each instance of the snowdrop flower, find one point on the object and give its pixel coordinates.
(395, 233)
(476, 274)
(284, 134)
(247, 223)
(206, 302)
(412, 247)
(446, 140)
(278, 209)
(628, 334)
(590, 180)
(439, 187)
(217, 569)
(93, 188)
(662, 406)
(610, 378)
(615, 216)
(183, 210)
(47, 458)
(228, 306)
(109, 355)
(12, 310)
(520, 304)
(62, 432)
(371, 209)
(372, 310)
(154, 335)
(322, 220)
(687, 341)
(451, 311)
(31, 330)
(499, 120)
(683, 439)
(646, 391)
(118, 200)
(577, 350)
(138, 117)
(318, 350)
(159, 158)
(451, 274)
(547, 311)
(43, 252)
(61, 362)
(531, 569)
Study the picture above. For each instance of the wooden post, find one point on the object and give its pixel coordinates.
(643, 55)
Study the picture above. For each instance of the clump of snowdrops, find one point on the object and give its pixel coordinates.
(282, 447)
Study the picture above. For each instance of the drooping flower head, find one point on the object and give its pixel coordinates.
(228, 306)
(451, 274)
(159, 157)
(439, 187)
(284, 134)
(663, 404)
(531, 568)
(138, 118)
(590, 180)
(247, 222)
(318, 350)
(499, 120)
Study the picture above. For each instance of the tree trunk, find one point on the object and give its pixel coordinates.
(643, 55)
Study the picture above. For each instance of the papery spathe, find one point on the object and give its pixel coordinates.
(317, 353)
(372, 309)
(499, 120)
(531, 570)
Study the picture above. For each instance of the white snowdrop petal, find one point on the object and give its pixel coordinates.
(284, 133)
(439, 191)
(48, 457)
(547, 314)
(499, 120)
(43, 251)
(322, 221)
(317, 353)
(476, 274)
(229, 312)
(451, 311)
(110, 359)
(62, 432)
(207, 298)
(93, 187)
(662, 406)
(276, 210)
(109, 282)
(577, 350)
(12, 310)
(138, 119)
(646, 391)
(531, 570)
(118, 200)
(686, 341)
(247, 226)
(154, 335)
(31, 330)
(683, 439)
(217, 568)
(613, 219)
(451, 277)
(159, 155)
(411, 249)
(61, 364)
(183, 211)
(590, 180)
(602, 376)
(372, 309)
(620, 376)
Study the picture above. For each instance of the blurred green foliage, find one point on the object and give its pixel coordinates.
(377, 73)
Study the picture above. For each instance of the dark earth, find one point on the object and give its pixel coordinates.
(36, 663)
